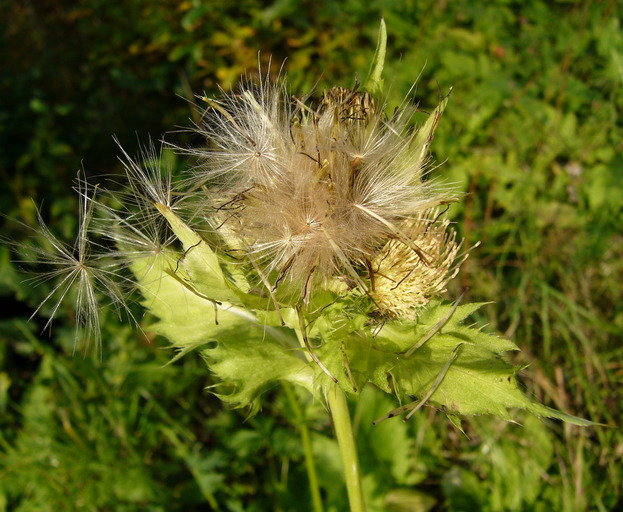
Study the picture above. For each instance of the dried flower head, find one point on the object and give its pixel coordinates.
(313, 191)
(403, 282)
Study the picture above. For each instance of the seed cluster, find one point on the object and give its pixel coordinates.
(315, 192)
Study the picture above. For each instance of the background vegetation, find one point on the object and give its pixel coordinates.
(533, 135)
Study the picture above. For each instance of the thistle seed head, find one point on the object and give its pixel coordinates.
(403, 281)
(313, 191)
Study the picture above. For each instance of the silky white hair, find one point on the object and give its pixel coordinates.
(313, 190)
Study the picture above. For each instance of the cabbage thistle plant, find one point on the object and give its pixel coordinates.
(307, 246)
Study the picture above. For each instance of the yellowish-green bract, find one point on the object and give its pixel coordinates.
(250, 348)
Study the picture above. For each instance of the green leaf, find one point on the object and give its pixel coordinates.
(249, 362)
(618, 61)
(374, 81)
(460, 369)
(209, 275)
(248, 356)
(199, 261)
(388, 443)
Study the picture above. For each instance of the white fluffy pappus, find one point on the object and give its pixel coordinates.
(82, 271)
(313, 191)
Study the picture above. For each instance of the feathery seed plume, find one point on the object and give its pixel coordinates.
(79, 269)
(314, 192)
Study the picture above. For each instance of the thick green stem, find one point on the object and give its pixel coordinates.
(348, 448)
(343, 427)
(309, 455)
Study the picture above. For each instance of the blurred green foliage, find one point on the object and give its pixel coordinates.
(532, 134)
